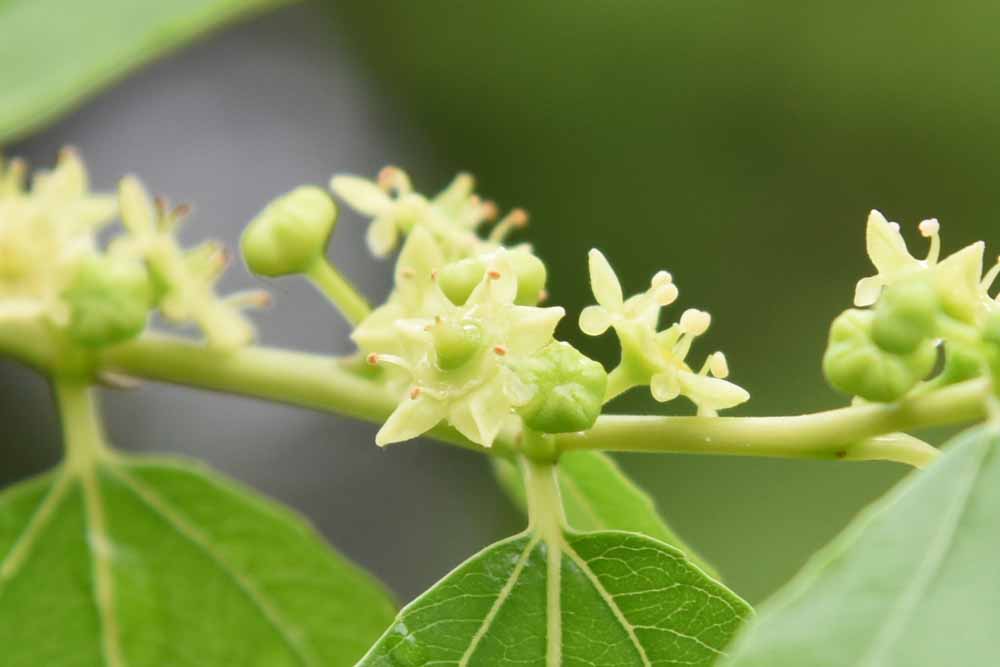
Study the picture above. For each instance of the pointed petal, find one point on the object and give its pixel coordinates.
(886, 246)
(604, 282)
(413, 417)
(499, 284)
(711, 393)
(957, 281)
(361, 194)
(532, 328)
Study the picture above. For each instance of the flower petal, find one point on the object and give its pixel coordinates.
(532, 328)
(604, 282)
(957, 281)
(594, 320)
(886, 246)
(361, 194)
(382, 236)
(711, 393)
(413, 417)
(867, 291)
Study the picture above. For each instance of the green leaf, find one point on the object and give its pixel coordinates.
(913, 582)
(598, 495)
(149, 563)
(58, 52)
(613, 598)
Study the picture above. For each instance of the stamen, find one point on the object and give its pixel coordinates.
(407, 272)
(392, 360)
(717, 365)
(493, 274)
(489, 210)
(665, 294)
(894, 226)
(516, 219)
(543, 296)
(500, 350)
(372, 359)
(695, 322)
(414, 393)
(929, 229)
(250, 299)
(661, 278)
(393, 178)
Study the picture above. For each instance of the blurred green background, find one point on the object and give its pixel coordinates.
(738, 145)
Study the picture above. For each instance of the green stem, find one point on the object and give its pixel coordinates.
(545, 509)
(323, 383)
(296, 378)
(83, 433)
(344, 296)
(835, 434)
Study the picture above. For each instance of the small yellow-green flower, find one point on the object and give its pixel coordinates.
(452, 217)
(656, 358)
(46, 233)
(459, 358)
(185, 279)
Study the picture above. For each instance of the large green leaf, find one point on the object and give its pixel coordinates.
(154, 563)
(914, 582)
(606, 598)
(57, 52)
(598, 495)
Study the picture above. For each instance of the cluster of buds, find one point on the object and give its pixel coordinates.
(889, 346)
(52, 269)
(654, 357)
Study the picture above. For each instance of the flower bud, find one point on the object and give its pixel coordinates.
(568, 389)
(458, 279)
(905, 316)
(109, 301)
(455, 343)
(290, 233)
(856, 365)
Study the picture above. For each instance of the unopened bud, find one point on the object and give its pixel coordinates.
(290, 233)
(568, 389)
(109, 301)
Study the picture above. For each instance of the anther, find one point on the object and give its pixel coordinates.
(372, 359)
(407, 272)
(543, 296)
(493, 274)
(929, 228)
(415, 393)
(695, 322)
(500, 350)
(661, 278)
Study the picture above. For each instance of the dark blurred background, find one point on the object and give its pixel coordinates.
(739, 145)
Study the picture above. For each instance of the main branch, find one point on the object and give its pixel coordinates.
(862, 432)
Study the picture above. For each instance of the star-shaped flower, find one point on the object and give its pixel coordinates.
(458, 359)
(652, 357)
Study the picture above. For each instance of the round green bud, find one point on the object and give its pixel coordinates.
(855, 364)
(455, 343)
(458, 279)
(905, 317)
(109, 301)
(961, 362)
(568, 389)
(290, 233)
(531, 277)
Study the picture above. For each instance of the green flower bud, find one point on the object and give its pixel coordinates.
(961, 362)
(109, 301)
(290, 233)
(568, 389)
(458, 279)
(905, 316)
(455, 343)
(531, 276)
(856, 365)
(991, 328)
